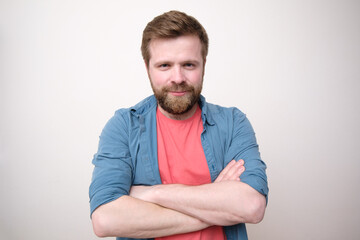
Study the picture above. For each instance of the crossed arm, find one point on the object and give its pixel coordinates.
(163, 210)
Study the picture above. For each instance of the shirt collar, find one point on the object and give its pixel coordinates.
(205, 113)
(144, 106)
(150, 103)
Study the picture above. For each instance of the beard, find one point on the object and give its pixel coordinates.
(177, 105)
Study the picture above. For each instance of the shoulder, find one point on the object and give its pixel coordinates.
(217, 109)
(141, 108)
(125, 116)
(216, 112)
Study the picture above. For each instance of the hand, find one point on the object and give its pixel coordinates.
(232, 171)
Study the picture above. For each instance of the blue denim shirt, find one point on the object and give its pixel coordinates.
(127, 153)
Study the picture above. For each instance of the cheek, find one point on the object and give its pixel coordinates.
(195, 77)
(158, 78)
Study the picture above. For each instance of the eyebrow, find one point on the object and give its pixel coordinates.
(182, 62)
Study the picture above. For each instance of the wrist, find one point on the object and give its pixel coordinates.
(156, 192)
(166, 195)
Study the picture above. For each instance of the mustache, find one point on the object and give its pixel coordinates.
(178, 87)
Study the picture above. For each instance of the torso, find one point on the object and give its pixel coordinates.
(182, 160)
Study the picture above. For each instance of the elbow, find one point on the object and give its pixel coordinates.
(256, 210)
(100, 224)
(107, 220)
(252, 210)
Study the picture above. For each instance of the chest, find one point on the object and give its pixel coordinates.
(181, 157)
(144, 152)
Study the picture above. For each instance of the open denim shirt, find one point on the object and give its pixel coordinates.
(127, 153)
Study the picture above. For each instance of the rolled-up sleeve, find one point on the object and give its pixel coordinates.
(244, 146)
(113, 170)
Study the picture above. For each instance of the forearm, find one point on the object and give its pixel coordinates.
(134, 218)
(222, 203)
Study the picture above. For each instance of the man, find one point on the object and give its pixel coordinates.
(174, 166)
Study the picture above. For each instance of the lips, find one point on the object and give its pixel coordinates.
(178, 93)
(178, 90)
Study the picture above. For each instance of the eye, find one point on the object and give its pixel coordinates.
(189, 65)
(164, 65)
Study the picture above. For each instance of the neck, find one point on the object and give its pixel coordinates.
(183, 116)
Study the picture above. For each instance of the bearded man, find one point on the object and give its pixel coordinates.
(174, 166)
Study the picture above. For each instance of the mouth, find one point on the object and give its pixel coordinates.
(178, 93)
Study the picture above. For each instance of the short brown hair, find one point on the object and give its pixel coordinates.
(171, 25)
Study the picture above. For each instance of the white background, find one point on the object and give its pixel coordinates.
(292, 66)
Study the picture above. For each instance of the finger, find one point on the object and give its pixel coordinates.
(225, 170)
(235, 171)
(241, 170)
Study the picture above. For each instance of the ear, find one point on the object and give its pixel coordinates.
(204, 67)
(147, 68)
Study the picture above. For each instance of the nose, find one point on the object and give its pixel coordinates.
(178, 75)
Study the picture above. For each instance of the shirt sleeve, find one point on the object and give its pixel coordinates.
(244, 146)
(113, 170)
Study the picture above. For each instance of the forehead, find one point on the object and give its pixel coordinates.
(183, 47)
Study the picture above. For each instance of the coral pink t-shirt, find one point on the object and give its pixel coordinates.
(182, 160)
